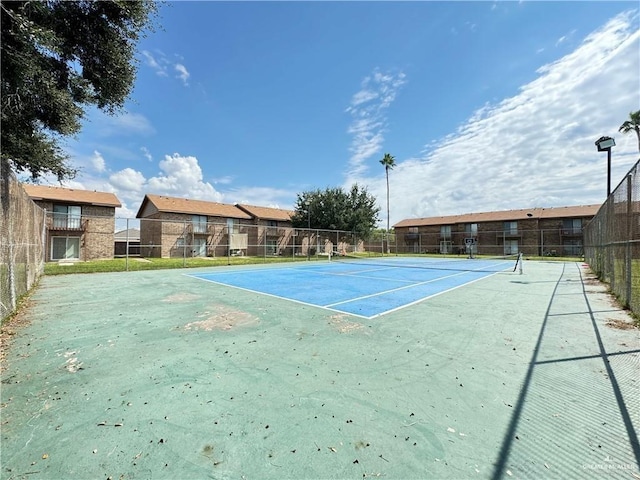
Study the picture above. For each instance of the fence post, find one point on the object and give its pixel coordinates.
(126, 252)
(629, 238)
(184, 245)
(44, 236)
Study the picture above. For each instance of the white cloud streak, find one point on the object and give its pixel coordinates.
(159, 63)
(183, 74)
(131, 124)
(159, 66)
(533, 149)
(368, 111)
(146, 153)
(98, 163)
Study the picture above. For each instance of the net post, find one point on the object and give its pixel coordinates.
(520, 263)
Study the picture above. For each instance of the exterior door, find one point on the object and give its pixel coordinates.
(200, 247)
(511, 247)
(65, 248)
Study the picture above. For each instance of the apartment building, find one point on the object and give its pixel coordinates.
(534, 231)
(80, 224)
(177, 227)
(273, 233)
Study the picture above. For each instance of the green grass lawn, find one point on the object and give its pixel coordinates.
(136, 263)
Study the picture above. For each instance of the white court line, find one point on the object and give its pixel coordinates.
(430, 296)
(315, 305)
(377, 294)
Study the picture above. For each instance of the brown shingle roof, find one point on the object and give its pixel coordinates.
(506, 215)
(267, 213)
(194, 207)
(132, 234)
(71, 195)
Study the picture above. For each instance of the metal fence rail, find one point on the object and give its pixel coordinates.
(612, 241)
(22, 230)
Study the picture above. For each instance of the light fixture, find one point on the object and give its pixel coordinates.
(604, 144)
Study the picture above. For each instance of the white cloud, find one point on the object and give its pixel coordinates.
(179, 176)
(533, 149)
(128, 182)
(261, 196)
(123, 124)
(146, 153)
(565, 38)
(182, 175)
(183, 74)
(98, 163)
(368, 109)
(159, 65)
(223, 180)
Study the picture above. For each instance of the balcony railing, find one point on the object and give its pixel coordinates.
(277, 231)
(199, 228)
(65, 223)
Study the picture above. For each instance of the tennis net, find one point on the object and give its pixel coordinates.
(503, 263)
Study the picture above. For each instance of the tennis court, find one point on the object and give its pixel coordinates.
(365, 287)
(162, 375)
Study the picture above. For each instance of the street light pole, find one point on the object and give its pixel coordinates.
(605, 144)
(608, 172)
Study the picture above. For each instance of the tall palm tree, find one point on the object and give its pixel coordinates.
(389, 162)
(632, 124)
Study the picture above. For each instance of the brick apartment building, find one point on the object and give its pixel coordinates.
(80, 224)
(176, 227)
(534, 231)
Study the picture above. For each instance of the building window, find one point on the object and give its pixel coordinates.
(272, 223)
(571, 226)
(471, 229)
(233, 225)
(445, 231)
(199, 223)
(63, 248)
(510, 228)
(413, 229)
(66, 217)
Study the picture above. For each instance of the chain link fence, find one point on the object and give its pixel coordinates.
(22, 231)
(184, 238)
(612, 241)
(562, 241)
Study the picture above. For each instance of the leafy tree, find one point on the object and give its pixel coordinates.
(354, 211)
(633, 124)
(389, 162)
(59, 57)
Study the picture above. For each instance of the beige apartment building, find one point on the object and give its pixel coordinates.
(80, 224)
(534, 231)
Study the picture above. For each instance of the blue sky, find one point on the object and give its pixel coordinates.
(484, 105)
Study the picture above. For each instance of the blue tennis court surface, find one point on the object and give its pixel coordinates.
(362, 288)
